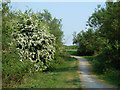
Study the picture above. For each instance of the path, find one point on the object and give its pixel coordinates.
(88, 80)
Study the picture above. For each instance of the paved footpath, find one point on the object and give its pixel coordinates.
(88, 79)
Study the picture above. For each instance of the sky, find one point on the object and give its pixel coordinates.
(73, 14)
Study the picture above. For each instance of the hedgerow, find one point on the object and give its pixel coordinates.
(30, 42)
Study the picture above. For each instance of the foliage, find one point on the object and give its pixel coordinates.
(5, 25)
(33, 40)
(30, 33)
(107, 22)
(101, 38)
(55, 27)
(85, 41)
(12, 68)
(110, 75)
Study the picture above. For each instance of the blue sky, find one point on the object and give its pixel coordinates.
(73, 14)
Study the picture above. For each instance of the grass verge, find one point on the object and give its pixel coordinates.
(63, 76)
(110, 76)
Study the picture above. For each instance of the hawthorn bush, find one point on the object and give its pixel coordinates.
(33, 41)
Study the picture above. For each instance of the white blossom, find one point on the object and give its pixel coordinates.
(37, 45)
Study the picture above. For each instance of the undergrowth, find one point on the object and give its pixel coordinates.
(110, 75)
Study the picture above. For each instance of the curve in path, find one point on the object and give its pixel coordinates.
(88, 79)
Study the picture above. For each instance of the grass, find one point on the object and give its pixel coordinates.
(72, 51)
(15, 74)
(63, 76)
(110, 76)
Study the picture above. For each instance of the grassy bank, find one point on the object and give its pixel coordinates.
(111, 76)
(63, 76)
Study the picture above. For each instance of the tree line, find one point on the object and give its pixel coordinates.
(102, 38)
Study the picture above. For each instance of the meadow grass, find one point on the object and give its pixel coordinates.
(63, 76)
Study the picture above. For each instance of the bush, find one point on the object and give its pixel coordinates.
(12, 68)
(33, 41)
(112, 75)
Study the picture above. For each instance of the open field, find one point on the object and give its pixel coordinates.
(72, 51)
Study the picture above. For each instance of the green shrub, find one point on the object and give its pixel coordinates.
(112, 75)
(12, 68)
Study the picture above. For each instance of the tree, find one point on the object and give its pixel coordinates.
(106, 22)
(102, 37)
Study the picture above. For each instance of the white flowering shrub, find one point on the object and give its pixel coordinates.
(34, 42)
